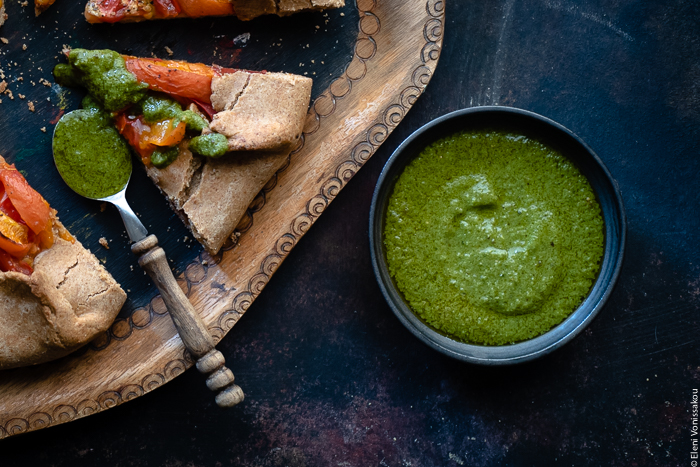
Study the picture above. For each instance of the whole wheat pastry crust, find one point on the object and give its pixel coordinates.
(260, 111)
(249, 9)
(65, 303)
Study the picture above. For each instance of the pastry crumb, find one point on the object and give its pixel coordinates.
(43, 129)
(24, 46)
(104, 243)
(4, 40)
(30, 104)
(169, 50)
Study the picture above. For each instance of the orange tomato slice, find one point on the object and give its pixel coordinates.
(31, 206)
(197, 8)
(166, 8)
(13, 230)
(144, 137)
(189, 80)
(163, 133)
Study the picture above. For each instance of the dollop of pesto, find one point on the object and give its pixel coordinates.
(493, 238)
(162, 158)
(90, 154)
(157, 108)
(209, 145)
(103, 73)
(193, 121)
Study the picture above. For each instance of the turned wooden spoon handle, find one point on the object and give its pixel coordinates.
(190, 326)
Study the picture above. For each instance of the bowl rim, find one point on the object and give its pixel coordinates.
(615, 238)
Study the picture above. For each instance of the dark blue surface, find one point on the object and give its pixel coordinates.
(333, 379)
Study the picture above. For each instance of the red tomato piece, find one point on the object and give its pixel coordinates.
(111, 11)
(132, 128)
(8, 263)
(6, 205)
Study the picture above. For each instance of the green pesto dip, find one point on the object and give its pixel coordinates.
(493, 238)
(91, 156)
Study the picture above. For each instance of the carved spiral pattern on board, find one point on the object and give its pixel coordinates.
(409, 96)
(87, 407)
(17, 426)
(285, 244)
(241, 302)
(269, 265)
(196, 273)
(152, 381)
(227, 320)
(377, 134)
(394, 114)
(346, 171)
(64, 413)
(301, 224)
(39, 420)
(362, 152)
(331, 187)
(421, 76)
(436, 8)
(131, 391)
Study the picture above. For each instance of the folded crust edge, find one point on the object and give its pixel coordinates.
(67, 301)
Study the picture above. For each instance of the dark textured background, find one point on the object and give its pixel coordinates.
(330, 375)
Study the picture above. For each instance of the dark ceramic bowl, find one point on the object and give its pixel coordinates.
(555, 136)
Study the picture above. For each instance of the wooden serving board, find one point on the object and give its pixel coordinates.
(394, 56)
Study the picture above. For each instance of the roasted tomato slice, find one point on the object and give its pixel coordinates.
(6, 205)
(197, 8)
(189, 80)
(110, 11)
(164, 133)
(132, 128)
(10, 232)
(166, 8)
(147, 137)
(13, 230)
(31, 206)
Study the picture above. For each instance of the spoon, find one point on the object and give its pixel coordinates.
(95, 162)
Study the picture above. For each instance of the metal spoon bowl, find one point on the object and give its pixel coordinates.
(86, 165)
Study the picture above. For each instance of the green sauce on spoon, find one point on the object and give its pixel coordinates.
(91, 156)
